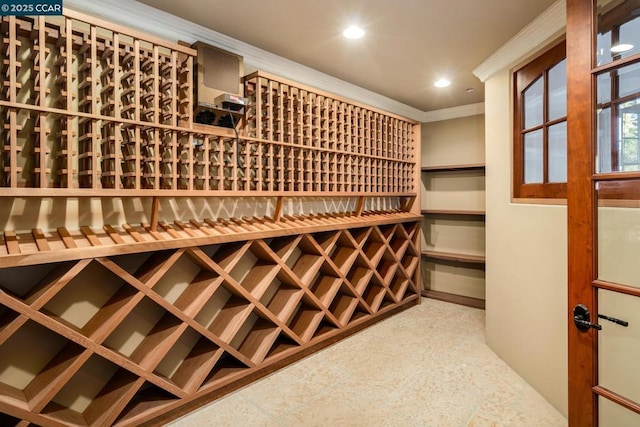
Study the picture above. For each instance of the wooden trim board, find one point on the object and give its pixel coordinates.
(446, 168)
(456, 257)
(455, 299)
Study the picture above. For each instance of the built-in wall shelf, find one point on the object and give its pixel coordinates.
(447, 168)
(456, 299)
(452, 212)
(456, 257)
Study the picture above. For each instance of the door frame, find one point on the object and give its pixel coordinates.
(582, 346)
(583, 283)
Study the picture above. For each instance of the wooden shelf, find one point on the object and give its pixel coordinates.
(447, 168)
(452, 212)
(456, 257)
(435, 218)
(64, 245)
(455, 299)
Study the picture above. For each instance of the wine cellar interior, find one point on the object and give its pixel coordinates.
(177, 261)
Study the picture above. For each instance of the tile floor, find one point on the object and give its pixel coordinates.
(427, 366)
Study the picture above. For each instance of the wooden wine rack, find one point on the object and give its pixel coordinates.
(169, 327)
(89, 105)
(135, 324)
(86, 105)
(328, 144)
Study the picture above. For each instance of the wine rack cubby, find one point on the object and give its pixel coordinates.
(134, 324)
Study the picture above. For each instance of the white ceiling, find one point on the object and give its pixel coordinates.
(408, 45)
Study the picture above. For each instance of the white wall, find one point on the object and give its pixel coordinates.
(526, 272)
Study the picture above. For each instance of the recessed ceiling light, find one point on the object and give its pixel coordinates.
(469, 89)
(353, 32)
(622, 47)
(442, 83)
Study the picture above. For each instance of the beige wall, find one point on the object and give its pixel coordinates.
(526, 275)
(454, 141)
(451, 142)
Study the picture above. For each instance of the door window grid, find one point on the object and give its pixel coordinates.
(617, 111)
(540, 166)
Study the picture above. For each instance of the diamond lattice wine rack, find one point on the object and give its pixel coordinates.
(122, 339)
(134, 324)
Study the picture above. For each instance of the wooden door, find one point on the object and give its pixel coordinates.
(603, 73)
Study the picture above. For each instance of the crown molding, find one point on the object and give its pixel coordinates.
(547, 26)
(145, 18)
(453, 112)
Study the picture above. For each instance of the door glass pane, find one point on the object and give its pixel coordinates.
(603, 161)
(629, 80)
(629, 37)
(558, 91)
(558, 152)
(618, 29)
(629, 141)
(604, 89)
(533, 157)
(619, 232)
(603, 46)
(619, 346)
(618, 138)
(611, 414)
(533, 104)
